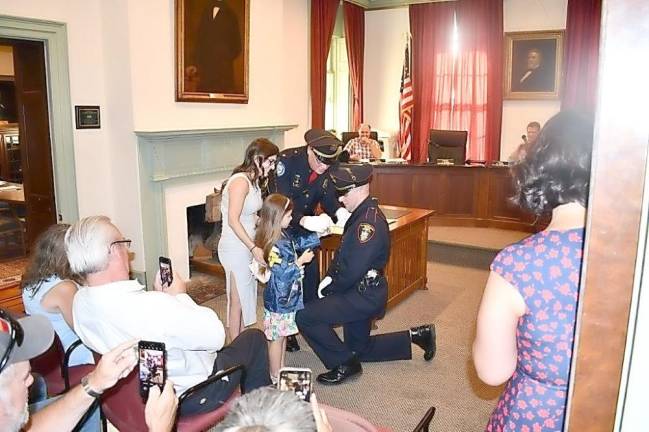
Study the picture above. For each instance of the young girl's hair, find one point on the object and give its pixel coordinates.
(269, 228)
(48, 259)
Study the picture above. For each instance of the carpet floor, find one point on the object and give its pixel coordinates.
(397, 394)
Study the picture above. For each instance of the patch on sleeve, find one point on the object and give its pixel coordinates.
(273, 257)
(365, 232)
(280, 169)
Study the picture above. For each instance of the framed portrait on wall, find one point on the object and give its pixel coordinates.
(533, 64)
(212, 50)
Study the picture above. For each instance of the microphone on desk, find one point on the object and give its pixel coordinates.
(524, 138)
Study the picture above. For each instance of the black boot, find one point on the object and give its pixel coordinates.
(340, 373)
(291, 344)
(425, 338)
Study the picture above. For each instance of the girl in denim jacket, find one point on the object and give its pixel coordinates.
(286, 252)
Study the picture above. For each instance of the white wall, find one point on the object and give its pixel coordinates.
(385, 40)
(528, 15)
(121, 57)
(384, 44)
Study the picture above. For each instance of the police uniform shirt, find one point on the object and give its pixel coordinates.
(292, 179)
(365, 245)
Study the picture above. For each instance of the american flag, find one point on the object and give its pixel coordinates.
(405, 108)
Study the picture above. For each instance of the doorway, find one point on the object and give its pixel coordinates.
(27, 199)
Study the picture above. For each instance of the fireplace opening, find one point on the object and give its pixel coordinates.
(207, 278)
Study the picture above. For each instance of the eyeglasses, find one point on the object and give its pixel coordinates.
(16, 334)
(126, 243)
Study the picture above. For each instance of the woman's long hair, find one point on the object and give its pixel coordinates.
(556, 168)
(258, 150)
(269, 227)
(48, 259)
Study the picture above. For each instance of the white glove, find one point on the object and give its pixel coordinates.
(324, 283)
(319, 224)
(342, 215)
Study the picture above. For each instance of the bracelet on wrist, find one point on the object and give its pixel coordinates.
(86, 387)
(252, 247)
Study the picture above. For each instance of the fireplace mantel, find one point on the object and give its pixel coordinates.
(173, 159)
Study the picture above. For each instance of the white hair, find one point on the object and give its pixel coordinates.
(10, 419)
(269, 410)
(87, 244)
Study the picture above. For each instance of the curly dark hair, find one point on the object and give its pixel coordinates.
(48, 259)
(556, 168)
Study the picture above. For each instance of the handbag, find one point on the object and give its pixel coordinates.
(213, 206)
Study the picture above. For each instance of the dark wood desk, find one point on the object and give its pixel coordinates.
(474, 196)
(406, 269)
(12, 195)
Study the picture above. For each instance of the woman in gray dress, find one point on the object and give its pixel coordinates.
(241, 200)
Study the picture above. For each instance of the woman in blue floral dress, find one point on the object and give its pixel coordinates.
(526, 321)
(286, 253)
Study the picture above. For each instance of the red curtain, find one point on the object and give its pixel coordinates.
(478, 76)
(581, 55)
(323, 19)
(431, 26)
(355, 42)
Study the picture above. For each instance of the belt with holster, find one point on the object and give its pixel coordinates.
(371, 279)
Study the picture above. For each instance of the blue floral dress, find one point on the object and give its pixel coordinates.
(545, 269)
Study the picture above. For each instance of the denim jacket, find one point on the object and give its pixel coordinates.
(283, 292)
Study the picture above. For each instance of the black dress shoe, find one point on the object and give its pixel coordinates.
(340, 373)
(424, 336)
(291, 344)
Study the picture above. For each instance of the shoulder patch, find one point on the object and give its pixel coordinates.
(365, 232)
(280, 169)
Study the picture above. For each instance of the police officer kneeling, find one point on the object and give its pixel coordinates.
(355, 291)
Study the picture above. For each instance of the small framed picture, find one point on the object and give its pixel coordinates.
(87, 117)
(533, 64)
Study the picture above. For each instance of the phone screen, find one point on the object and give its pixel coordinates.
(297, 380)
(152, 366)
(166, 275)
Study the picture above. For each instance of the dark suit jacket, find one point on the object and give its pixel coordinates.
(540, 80)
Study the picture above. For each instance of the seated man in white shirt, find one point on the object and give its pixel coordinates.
(363, 147)
(111, 309)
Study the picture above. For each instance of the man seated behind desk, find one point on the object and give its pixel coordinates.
(363, 147)
(111, 309)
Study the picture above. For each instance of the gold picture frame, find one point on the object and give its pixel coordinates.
(212, 40)
(533, 64)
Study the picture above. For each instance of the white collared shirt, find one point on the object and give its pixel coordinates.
(107, 315)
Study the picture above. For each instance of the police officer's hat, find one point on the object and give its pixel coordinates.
(347, 176)
(324, 144)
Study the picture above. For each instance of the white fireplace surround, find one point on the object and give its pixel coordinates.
(177, 170)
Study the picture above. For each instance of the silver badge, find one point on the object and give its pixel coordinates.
(280, 169)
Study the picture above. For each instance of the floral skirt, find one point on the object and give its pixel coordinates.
(277, 325)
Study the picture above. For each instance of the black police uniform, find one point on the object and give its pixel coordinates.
(358, 294)
(291, 178)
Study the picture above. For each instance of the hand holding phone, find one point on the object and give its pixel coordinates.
(152, 366)
(297, 380)
(166, 273)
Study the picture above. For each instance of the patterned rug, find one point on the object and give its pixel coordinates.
(203, 287)
(12, 269)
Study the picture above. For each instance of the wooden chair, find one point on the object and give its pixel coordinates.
(12, 233)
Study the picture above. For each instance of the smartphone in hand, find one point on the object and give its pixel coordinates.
(152, 366)
(297, 380)
(166, 273)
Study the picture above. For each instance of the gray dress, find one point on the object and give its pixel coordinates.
(235, 256)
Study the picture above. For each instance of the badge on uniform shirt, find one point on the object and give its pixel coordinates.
(324, 183)
(280, 169)
(297, 181)
(365, 232)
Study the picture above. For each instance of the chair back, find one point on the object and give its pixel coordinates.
(345, 421)
(346, 136)
(123, 406)
(447, 144)
(49, 365)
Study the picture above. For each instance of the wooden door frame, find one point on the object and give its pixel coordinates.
(616, 227)
(55, 38)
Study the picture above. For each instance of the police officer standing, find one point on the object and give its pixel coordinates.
(300, 174)
(355, 290)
